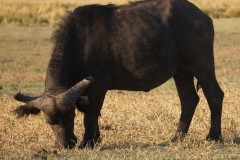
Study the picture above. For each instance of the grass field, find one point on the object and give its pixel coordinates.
(44, 12)
(134, 125)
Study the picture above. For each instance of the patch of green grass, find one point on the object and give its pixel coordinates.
(12, 88)
(21, 19)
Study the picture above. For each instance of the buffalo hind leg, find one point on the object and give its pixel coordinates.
(214, 96)
(189, 100)
(92, 134)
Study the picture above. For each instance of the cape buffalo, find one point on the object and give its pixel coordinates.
(134, 47)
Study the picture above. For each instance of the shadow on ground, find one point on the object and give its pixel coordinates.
(133, 145)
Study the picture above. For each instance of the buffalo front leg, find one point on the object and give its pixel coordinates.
(92, 134)
(189, 100)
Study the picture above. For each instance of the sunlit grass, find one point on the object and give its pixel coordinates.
(24, 12)
(219, 8)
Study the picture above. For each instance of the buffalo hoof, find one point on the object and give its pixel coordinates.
(67, 144)
(89, 144)
(217, 138)
(179, 136)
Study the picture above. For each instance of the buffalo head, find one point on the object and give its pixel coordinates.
(58, 110)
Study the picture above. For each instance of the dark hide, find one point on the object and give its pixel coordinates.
(82, 104)
(136, 47)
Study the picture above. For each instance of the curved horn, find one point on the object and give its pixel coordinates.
(72, 94)
(24, 98)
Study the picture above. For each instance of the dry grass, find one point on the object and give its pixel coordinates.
(25, 12)
(39, 12)
(134, 125)
(219, 8)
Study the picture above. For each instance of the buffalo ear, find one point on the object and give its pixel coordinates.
(25, 110)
